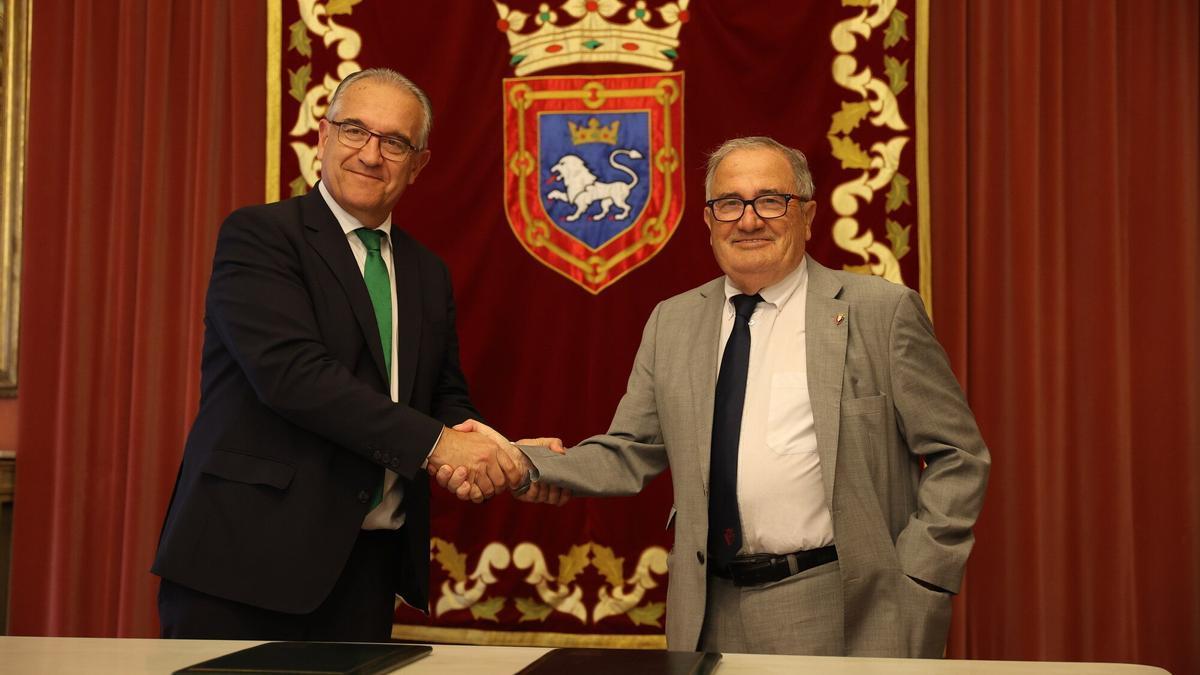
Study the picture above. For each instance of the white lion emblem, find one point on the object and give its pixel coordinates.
(583, 189)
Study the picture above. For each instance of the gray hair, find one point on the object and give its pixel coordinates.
(804, 181)
(387, 76)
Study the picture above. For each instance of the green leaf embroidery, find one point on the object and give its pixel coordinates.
(898, 235)
(849, 152)
(298, 81)
(897, 29)
(488, 610)
(847, 119)
(897, 74)
(532, 610)
(298, 39)
(647, 615)
(898, 195)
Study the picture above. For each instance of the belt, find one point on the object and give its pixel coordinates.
(763, 568)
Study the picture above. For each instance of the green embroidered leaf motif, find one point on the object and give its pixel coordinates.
(897, 74)
(647, 615)
(897, 29)
(670, 54)
(592, 44)
(298, 186)
(451, 560)
(849, 152)
(609, 565)
(570, 565)
(298, 81)
(340, 6)
(898, 235)
(517, 58)
(532, 610)
(298, 38)
(847, 119)
(487, 611)
(898, 195)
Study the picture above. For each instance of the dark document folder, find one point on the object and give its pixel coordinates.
(623, 661)
(316, 658)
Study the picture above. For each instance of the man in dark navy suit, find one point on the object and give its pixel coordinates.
(330, 378)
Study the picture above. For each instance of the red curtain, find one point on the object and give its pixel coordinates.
(144, 131)
(1065, 167)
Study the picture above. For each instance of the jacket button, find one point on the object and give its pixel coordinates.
(700, 557)
(363, 496)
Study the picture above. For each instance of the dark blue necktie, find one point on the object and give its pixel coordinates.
(724, 521)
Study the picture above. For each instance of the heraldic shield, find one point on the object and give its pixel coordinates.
(593, 181)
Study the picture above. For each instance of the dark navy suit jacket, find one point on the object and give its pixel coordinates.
(296, 422)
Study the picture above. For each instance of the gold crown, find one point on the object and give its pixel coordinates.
(594, 133)
(593, 38)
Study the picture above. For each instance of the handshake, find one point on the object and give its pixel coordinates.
(474, 461)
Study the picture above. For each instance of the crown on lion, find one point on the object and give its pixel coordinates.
(593, 37)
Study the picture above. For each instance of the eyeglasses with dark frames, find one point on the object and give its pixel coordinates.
(356, 136)
(729, 209)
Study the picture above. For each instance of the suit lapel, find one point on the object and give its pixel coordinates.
(825, 343)
(408, 312)
(702, 337)
(327, 237)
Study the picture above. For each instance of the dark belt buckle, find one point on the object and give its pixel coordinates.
(757, 569)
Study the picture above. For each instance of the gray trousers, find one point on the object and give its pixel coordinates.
(801, 614)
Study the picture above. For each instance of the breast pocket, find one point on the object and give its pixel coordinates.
(790, 428)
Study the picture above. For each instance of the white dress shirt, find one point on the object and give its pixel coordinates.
(781, 497)
(389, 514)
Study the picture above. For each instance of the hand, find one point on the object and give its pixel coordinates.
(488, 465)
(540, 492)
(456, 480)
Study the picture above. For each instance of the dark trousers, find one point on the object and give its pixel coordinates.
(358, 609)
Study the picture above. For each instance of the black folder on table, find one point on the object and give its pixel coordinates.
(316, 658)
(623, 662)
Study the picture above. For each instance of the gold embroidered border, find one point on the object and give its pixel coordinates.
(924, 243)
(316, 18)
(880, 165)
(274, 103)
(550, 591)
(502, 638)
(16, 18)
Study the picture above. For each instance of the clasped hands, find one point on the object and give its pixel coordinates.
(474, 461)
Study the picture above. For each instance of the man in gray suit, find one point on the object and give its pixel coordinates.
(795, 406)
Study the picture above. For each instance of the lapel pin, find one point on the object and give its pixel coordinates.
(837, 320)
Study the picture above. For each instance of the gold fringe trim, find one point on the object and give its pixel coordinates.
(475, 636)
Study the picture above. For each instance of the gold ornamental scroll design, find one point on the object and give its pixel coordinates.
(317, 23)
(554, 590)
(15, 32)
(879, 166)
(593, 95)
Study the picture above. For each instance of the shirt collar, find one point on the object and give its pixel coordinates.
(780, 292)
(348, 222)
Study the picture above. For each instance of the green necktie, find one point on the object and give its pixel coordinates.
(379, 288)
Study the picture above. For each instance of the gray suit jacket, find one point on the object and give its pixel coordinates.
(884, 400)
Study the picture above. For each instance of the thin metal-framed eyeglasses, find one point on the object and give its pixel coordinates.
(356, 136)
(729, 209)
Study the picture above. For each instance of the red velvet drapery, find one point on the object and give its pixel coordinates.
(1065, 168)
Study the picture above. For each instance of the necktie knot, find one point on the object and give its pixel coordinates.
(372, 239)
(744, 305)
